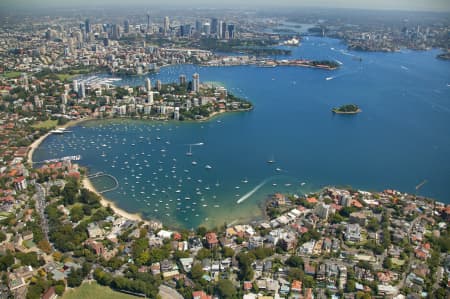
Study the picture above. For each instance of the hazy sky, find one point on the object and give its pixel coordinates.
(427, 5)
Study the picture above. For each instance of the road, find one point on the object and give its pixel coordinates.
(41, 204)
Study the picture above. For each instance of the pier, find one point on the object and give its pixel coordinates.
(71, 158)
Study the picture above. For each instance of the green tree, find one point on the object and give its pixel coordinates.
(197, 272)
(226, 289)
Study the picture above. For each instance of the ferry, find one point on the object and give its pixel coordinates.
(60, 131)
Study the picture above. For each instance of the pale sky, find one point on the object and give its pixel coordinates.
(421, 5)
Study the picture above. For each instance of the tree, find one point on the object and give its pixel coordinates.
(75, 278)
(226, 289)
(45, 246)
(197, 272)
(59, 289)
(227, 252)
(294, 261)
(2, 236)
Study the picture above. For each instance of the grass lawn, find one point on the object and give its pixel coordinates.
(63, 77)
(95, 291)
(11, 75)
(397, 262)
(46, 124)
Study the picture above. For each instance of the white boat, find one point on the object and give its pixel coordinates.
(329, 78)
(208, 167)
(194, 163)
(302, 184)
(60, 131)
(278, 169)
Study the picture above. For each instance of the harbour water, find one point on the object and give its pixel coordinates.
(399, 140)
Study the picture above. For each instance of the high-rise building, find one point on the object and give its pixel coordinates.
(182, 79)
(185, 30)
(224, 30)
(214, 25)
(82, 91)
(198, 26)
(166, 26)
(87, 26)
(115, 31)
(219, 28)
(148, 23)
(126, 26)
(150, 97)
(207, 28)
(75, 85)
(148, 84)
(231, 31)
(158, 85)
(195, 82)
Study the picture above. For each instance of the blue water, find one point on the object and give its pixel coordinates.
(399, 140)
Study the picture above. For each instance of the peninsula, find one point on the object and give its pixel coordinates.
(347, 109)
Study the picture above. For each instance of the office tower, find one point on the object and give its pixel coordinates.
(166, 25)
(231, 31)
(150, 97)
(115, 31)
(148, 84)
(214, 24)
(126, 26)
(198, 26)
(182, 79)
(87, 26)
(185, 30)
(219, 28)
(75, 85)
(82, 91)
(148, 23)
(224, 29)
(195, 82)
(158, 85)
(207, 28)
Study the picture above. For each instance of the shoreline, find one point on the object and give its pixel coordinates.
(33, 146)
(86, 182)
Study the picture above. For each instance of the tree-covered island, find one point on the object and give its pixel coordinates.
(347, 109)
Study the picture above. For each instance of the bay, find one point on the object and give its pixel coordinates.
(399, 140)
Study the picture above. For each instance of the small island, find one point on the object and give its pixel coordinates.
(347, 109)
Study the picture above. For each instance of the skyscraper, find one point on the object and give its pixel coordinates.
(198, 26)
(126, 26)
(87, 26)
(207, 28)
(148, 23)
(158, 85)
(182, 79)
(195, 82)
(224, 30)
(214, 25)
(148, 84)
(231, 31)
(166, 25)
(219, 28)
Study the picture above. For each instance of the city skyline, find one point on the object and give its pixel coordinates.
(405, 5)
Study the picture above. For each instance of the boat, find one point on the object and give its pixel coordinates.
(208, 166)
(329, 78)
(302, 184)
(189, 153)
(278, 169)
(60, 131)
(245, 181)
(194, 163)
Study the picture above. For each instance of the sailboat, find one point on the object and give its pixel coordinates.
(271, 161)
(189, 153)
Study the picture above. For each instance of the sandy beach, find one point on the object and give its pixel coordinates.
(88, 185)
(38, 141)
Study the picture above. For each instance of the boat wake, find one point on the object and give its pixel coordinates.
(251, 192)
